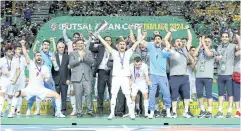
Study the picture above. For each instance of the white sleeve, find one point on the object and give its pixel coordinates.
(46, 72)
(129, 53)
(66, 39)
(145, 68)
(114, 53)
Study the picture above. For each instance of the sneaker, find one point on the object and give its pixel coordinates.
(28, 113)
(164, 113)
(60, 115)
(6, 112)
(219, 115)
(237, 115)
(10, 115)
(36, 113)
(138, 112)
(18, 113)
(111, 116)
(157, 113)
(188, 115)
(132, 116)
(174, 115)
(208, 115)
(150, 116)
(126, 115)
(229, 115)
(202, 114)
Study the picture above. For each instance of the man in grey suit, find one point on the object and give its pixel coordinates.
(81, 61)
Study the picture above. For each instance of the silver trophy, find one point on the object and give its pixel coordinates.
(103, 26)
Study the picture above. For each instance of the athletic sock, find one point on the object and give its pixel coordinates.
(146, 106)
(9, 103)
(14, 103)
(230, 109)
(210, 109)
(157, 107)
(202, 107)
(138, 106)
(19, 104)
(168, 111)
(1, 103)
(220, 108)
(38, 102)
(58, 105)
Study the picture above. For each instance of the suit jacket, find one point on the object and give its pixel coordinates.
(81, 69)
(100, 49)
(63, 74)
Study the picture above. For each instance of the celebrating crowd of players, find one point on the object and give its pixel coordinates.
(172, 67)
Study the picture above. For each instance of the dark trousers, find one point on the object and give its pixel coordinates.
(104, 78)
(62, 90)
(120, 104)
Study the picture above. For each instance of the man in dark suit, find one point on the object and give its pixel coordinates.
(103, 67)
(62, 76)
(80, 62)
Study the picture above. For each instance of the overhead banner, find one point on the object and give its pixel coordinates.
(118, 26)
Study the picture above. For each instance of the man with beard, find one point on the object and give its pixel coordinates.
(103, 70)
(204, 74)
(158, 58)
(9, 75)
(179, 79)
(21, 64)
(225, 58)
(38, 73)
(49, 61)
(80, 62)
(120, 75)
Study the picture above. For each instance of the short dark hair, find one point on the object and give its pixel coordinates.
(37, 52)
(78, 40)
(48, 41)
(107, 36)
(184, 39)
(76, 33)
(224, 32)
(157, 36)
(137, 59)
(17, 46)
(8, 47)
(192, 47)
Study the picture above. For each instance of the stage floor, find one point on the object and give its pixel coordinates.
(49, 123)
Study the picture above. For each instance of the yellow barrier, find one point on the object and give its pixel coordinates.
(46, 107)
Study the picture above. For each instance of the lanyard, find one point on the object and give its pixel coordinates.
(9, 64)
(122, 59)
(39, 69)
(181, 52)
(204, 55)
(136, 73)
(143, 57)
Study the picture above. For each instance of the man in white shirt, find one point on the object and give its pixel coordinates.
(9, 75)
(38, 74)
(140, 81)
(121, 74)
(21, 80)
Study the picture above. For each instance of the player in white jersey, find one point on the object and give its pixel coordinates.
(9, 74)
(140, 81)
(38, 74)
(121, 74)
(21, 81)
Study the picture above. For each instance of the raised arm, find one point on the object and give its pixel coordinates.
(132, 37)
(189, 41)
(25, 53)
(195, 54)
(137, 43)
(54, 44)
(139, 31)
(107, 46)
(66, 39)
(166, 39)
(207, 50)
(35, 46)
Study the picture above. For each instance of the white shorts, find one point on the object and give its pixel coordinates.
(5, 83)
(120, 82)
(35, 90)
(135, 87)
(13, 88)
